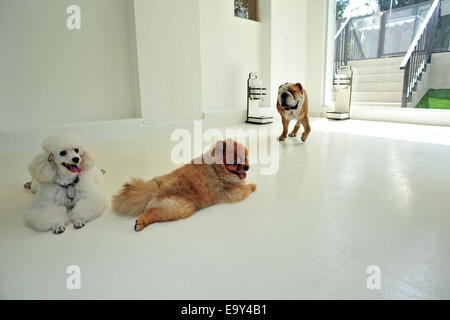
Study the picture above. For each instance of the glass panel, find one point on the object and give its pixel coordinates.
(442, 40)
(364, 34)
(402, 26)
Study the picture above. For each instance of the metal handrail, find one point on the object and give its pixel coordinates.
(344, 37)
(419, 53)
(342, 28)
(348, 45)
(347, 21)
(419, 34)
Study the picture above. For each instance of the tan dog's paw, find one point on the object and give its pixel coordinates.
(138, 226)
(304, 137)
(281, 138)
(252, 187)
(292, 134)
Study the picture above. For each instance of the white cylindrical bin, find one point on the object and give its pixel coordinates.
(256, 93)
(342, 84)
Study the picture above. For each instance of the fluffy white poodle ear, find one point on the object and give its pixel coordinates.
(87, 161)
(42, 168)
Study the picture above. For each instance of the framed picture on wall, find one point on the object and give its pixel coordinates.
(241, 8)
(247, 9)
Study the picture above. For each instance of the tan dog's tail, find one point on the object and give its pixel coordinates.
(133, 197)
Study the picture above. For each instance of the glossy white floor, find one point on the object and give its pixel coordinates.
(356, 194)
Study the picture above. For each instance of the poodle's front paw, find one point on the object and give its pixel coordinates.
(27, 186)
(79, 223)
(58, 229)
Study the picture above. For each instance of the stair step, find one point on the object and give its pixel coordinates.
(377, 70)
(392, 61)
(377, 82)
(377, 104)
(391, 86)
(391, 77)
(377, 96)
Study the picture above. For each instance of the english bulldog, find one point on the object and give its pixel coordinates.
(292, 104)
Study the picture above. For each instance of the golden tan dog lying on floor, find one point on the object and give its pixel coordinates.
(218, 178)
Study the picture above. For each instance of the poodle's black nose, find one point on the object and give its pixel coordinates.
(76, 160)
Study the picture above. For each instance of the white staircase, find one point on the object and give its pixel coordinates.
(377, 82)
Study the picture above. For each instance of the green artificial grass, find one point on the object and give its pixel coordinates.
(435, 99)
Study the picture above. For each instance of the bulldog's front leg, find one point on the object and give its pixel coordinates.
(305, 123)
(296, 128)
(285, 129)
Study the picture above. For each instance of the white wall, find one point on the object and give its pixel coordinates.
(265, 13)
(230, 50)
(162, 60)
(288, 44)
(50, 75)
(168, 45)
(330, 32)
(298, 42)
(440, 71)
(316, 55)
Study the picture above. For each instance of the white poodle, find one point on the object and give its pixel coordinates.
(66, 186)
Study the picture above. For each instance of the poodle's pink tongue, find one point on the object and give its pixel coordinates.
(76, 169)
(242, 175)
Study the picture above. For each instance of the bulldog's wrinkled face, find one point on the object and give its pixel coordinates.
(290, 94)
